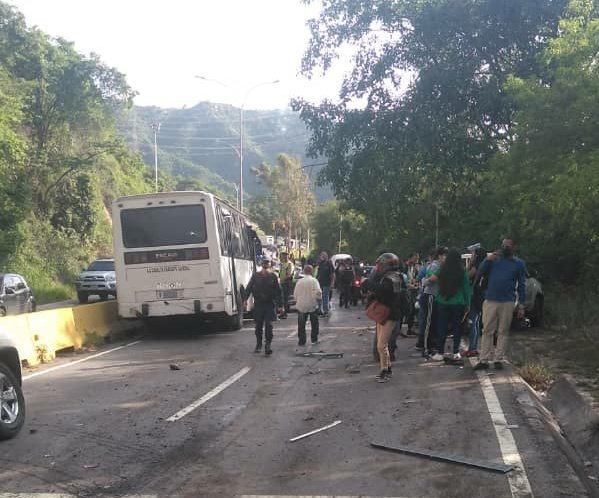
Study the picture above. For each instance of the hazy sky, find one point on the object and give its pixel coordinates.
(160, 46)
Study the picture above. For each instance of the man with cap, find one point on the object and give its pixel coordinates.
(265, 288)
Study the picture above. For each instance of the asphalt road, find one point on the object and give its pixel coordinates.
(112, 425)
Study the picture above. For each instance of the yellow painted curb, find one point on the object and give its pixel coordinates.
(39, 335)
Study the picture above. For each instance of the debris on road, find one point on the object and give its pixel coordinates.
(311, 433)
(513, 426)
(320, 355)
(174, 366)
(353, 369)
(432, 455)
(91, 466)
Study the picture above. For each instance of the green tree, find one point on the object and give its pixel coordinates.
(408, 153)
(289, 200)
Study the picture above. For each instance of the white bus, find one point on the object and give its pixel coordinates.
(182, 253)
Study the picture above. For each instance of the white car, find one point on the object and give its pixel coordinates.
(12, 402)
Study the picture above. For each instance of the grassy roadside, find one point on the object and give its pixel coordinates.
(568, 343)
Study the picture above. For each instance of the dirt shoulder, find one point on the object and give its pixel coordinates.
(560, 351)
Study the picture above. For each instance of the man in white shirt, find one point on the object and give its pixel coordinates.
(307, 295)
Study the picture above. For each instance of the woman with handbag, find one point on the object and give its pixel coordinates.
(384, 288)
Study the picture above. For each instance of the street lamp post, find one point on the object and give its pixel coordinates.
(241, 108)
(156, 128)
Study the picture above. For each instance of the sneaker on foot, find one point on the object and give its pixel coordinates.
(457, 356)
(498, 365)
(267, 350)
(389, 372)
(437, 357)
(382, 376)
(301, 343)
(481, 365)
(258, 348)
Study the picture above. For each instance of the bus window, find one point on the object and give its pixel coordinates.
(163, 226)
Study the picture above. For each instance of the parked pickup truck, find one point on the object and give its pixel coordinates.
(98, 279)
(12, 402)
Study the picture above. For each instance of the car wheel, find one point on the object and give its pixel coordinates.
(2, 312)
(12, 404)
(82, 297)
(536, 318)
(103, 296)
(32, 306)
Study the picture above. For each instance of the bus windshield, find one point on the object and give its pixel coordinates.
(163, 226)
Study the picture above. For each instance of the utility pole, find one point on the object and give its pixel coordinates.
(340, 223)
(156, 128)
(436, 225)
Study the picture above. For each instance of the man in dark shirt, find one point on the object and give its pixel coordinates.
(325, 277)
(264, 286)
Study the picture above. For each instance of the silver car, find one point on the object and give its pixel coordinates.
(12, 402)
(98, 279)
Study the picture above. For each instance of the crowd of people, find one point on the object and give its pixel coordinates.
(447, 295)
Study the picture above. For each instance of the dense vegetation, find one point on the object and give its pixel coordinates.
(497, 128)
(61, 159)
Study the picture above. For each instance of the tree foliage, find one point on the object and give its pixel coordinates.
(61, 160)
(288, 203)
(485, 111)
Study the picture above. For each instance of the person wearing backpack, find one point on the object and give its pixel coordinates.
(384, 289)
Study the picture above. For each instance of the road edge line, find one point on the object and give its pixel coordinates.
(81, 360)
(518, 479)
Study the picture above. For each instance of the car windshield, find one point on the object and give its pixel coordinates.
(163, 226)
(101, 266)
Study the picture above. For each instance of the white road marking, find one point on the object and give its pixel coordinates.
(76, 362)
(518, 480)
(60, 495)
(314, 496)
(208, 396)
(292, 335)
(297, 438)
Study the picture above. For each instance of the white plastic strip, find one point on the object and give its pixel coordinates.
(297, 438)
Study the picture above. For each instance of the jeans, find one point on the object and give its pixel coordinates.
(413, 295)
(302, 318)
(344, 295)
(264, 314)
(474, 319)
(325, 298)
(428, 325)
(449, 314)
(394, 334)
(286, 287)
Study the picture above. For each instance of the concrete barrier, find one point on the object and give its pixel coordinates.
(39, 335)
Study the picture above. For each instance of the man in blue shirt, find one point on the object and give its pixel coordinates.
(505, 274)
